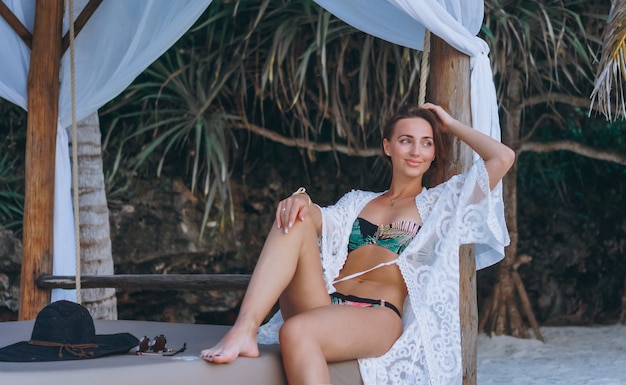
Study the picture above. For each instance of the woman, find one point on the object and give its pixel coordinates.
(391, 260)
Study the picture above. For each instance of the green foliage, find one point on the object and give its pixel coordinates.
(608, 89)
(180, 117)
(550, 45)
(12, 138)
(303, 76)
(173, 105)
(551, 48)
(566, 179)
(301, 72)
(326, 80)
(11, 202)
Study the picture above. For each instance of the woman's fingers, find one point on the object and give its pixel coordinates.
(288, 211)
(441, 113)
(281, 209)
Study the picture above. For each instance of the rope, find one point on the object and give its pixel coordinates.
(424, 69)
(75, 202)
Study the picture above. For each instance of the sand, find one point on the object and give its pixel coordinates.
(570, 355)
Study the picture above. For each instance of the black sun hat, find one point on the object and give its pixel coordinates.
(64, 330)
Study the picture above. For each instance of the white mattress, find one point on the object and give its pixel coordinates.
(185, 368)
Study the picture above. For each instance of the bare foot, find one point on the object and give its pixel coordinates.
(234, 344)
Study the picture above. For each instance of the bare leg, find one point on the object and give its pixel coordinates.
(289, 264)
(334, 333)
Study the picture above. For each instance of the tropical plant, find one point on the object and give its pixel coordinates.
(329, 81)
(611, 74)
(12, 138)
(180, 117)
(320, 85)
(174, 104)
(11, 202)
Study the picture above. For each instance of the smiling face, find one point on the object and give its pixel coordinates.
(417, 123)
(411, 147)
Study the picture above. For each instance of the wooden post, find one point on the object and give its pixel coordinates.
(449, 86)
(43, 111)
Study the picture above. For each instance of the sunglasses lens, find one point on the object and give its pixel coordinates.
(143, 345)
(158, 344)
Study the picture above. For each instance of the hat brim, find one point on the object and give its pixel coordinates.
(108, 344)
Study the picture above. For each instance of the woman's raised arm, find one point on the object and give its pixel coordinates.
(498, 157)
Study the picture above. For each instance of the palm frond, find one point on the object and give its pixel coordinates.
(549, 43)
(609, 83)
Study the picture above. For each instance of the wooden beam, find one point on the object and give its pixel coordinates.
(449, 86)
(43, 112)
(149, 281)
(16, 24)
(80, 22)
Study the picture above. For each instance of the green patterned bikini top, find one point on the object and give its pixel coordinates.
(395, 237)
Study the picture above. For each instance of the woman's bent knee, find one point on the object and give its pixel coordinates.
(290, 330)
(294, 332)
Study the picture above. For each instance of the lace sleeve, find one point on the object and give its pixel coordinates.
(464, 207)
(480, 215)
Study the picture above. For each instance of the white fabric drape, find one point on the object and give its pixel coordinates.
(456, 21)
(120, 41)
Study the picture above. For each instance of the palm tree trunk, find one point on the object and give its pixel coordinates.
(95, 237)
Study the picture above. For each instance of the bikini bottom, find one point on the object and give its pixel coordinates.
(337, 298)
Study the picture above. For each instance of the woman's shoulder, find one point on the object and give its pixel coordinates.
(354, 199)
(357, 195)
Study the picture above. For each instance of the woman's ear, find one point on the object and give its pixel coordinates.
(386, 147)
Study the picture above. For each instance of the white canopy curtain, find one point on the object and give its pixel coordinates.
(119, 42)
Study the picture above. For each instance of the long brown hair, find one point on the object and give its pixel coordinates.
(438, 171)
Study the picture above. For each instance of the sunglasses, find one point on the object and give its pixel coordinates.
(157, 346)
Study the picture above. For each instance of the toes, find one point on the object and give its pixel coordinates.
(210, 356)
(206, 355)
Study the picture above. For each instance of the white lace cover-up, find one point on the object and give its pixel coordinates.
(460, 211)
